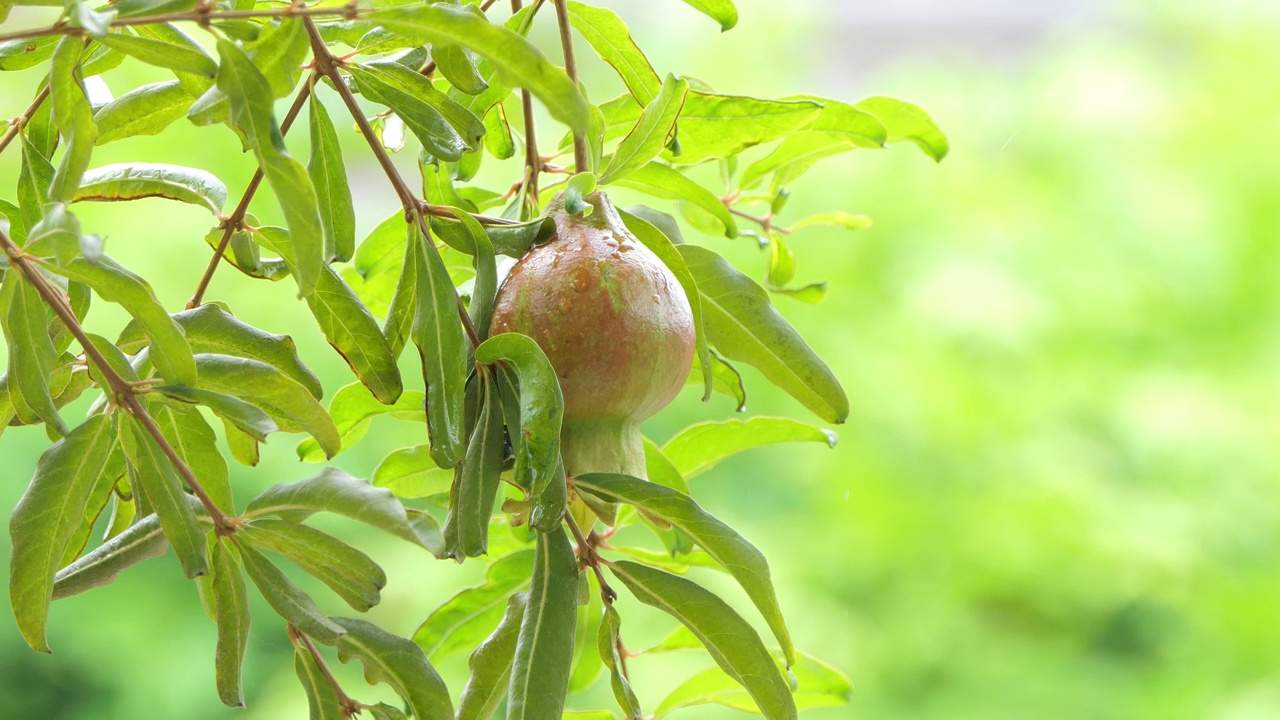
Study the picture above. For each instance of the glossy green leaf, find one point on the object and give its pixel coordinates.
(742, 325)
(211, 329)
(322, 699)
(781, 269)
(162, 54)
(169, 349)
(732, 643)
(699, 447)
(467, 617)
(348, 572)
(458, 66)
(195, 442)
(141, 541)
(397, 662)
(353, 408)
(663, 181)
(131, 181)
(518, 59)
(337, 492)
(411, 473)
(726, 380)
(194, 83)
(250, 97)
(612, 41)
(163, 491)
(98, 499)
(651, 132)
(544, 649)
(485, 289)
(145, 110)
(587, 663)
(442, 344)
(720, 126)
(231, 611)
(287, 402)
(34, 180)
(329, 175)
(446, 128)
(72, 115)
(31, 352)
(609, 646)
(747, 564)
(497, 134)
(541, 408)
(907, 122)
(23, 54)
(289, 601)
(817, 685)
(243, 444)
(722, 11)
(244, 417)
(46, 517)
(579, 186)
(466, 531)
(490, 664)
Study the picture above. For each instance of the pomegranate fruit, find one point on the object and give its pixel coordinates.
(615, 324)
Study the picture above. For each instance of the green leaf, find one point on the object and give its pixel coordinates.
(353, 407)
(194, 441)
(699, 447)
(497, 134)
(905, 121)
(515, 58)
(742, 325)
(839, 218)
(48, 515)
(466, 530)
(610, 652)
(145, 110)
(162, 54)
(287, 402)
(411, 473)
(329, 175)
(31, 352)
(817, 685)
(211, 329)
(141, 541)
(446, 128)
(243, 418)
(337, 492)
(663, 181)
(398, 663)
(490, 664)
(348, 572)
(290, 602)
(131, 181)
(587, 662)
(579, 186)
(23, 54)
(658, 243)
(732, 643)
(442, 344)
(720, 126)
(244, 444)
(612, 41)
(322, 699)
(541, 408)
(73, 117)
(782, 262)
(33, 182)
(655, 126)
(727, 381)
(544, 649)
(99, 497)
(747, 564)
(383, 711)
(113, 283)
(485, 289)
(468, 616)
(152, 472)
(250, 96)
(722, 11)
(458, 66)
(231, 610)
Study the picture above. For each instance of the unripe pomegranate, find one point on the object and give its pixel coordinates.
(616, 326)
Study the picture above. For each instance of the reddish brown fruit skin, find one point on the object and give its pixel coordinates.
(612, 319)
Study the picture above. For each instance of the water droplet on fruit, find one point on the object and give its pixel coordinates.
(563, 307)
(581, 280)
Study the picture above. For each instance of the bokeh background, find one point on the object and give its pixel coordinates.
(1057, 494)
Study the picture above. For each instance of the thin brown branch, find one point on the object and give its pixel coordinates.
(122, 390)
(301, 640)
(532, 160)
(235, 221)
(764, 221)
(16, 125)
(588, 556)
(580, 163)
(203, 14)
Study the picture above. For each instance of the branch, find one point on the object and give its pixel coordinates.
(236, 220)
(571, 68)
(16, 125)
(414, 208)
(302, 641)
(121, 389)
(532, 160)
(588, 556)
(203, 14)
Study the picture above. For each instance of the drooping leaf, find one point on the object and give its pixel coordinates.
(289, 601)
(908, 122)
(610, 650)
(72, 115)
(747, 564)
(322, 699)
(145, 110)
(170, 56)
(31, 352)
(46, 517)
(491, 664)
(587, 663)
(99, 497)
(194, 441)
(34, 181)
(720, 126)
(243, 418)
(610, 38)
(467, 617)
(348, 572)
(817, 685)
(651, 132)
(518, 59)
(466, 531)
(398, 663)
(663, 181)
(438, 333)
(458, 66)
(742, 325)
(159, 482)
(732, 643)
(231, 610)
(131, 181)
(699, 447)
(411, 473)
(353, 408)
(445, 127)
(141, 541)
(722, 11)
(27, 53)
(485, 288)
(329, 175)
(544, 649)
(337, 492)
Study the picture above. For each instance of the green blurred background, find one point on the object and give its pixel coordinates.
(1056, 496)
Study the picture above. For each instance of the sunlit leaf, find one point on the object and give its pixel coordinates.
(411, 473)
(663, 181)
(353, 408)
(817, 685)
(329, 175)
(348, 572)
(162, 54)
(610, 38)
(719, 126)
(194, 441)
(610, 650)
(908, 122)
(722, 11)
(651, 132)
(131, 181)
(73, 116)
(467, 617)
(145, 110)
